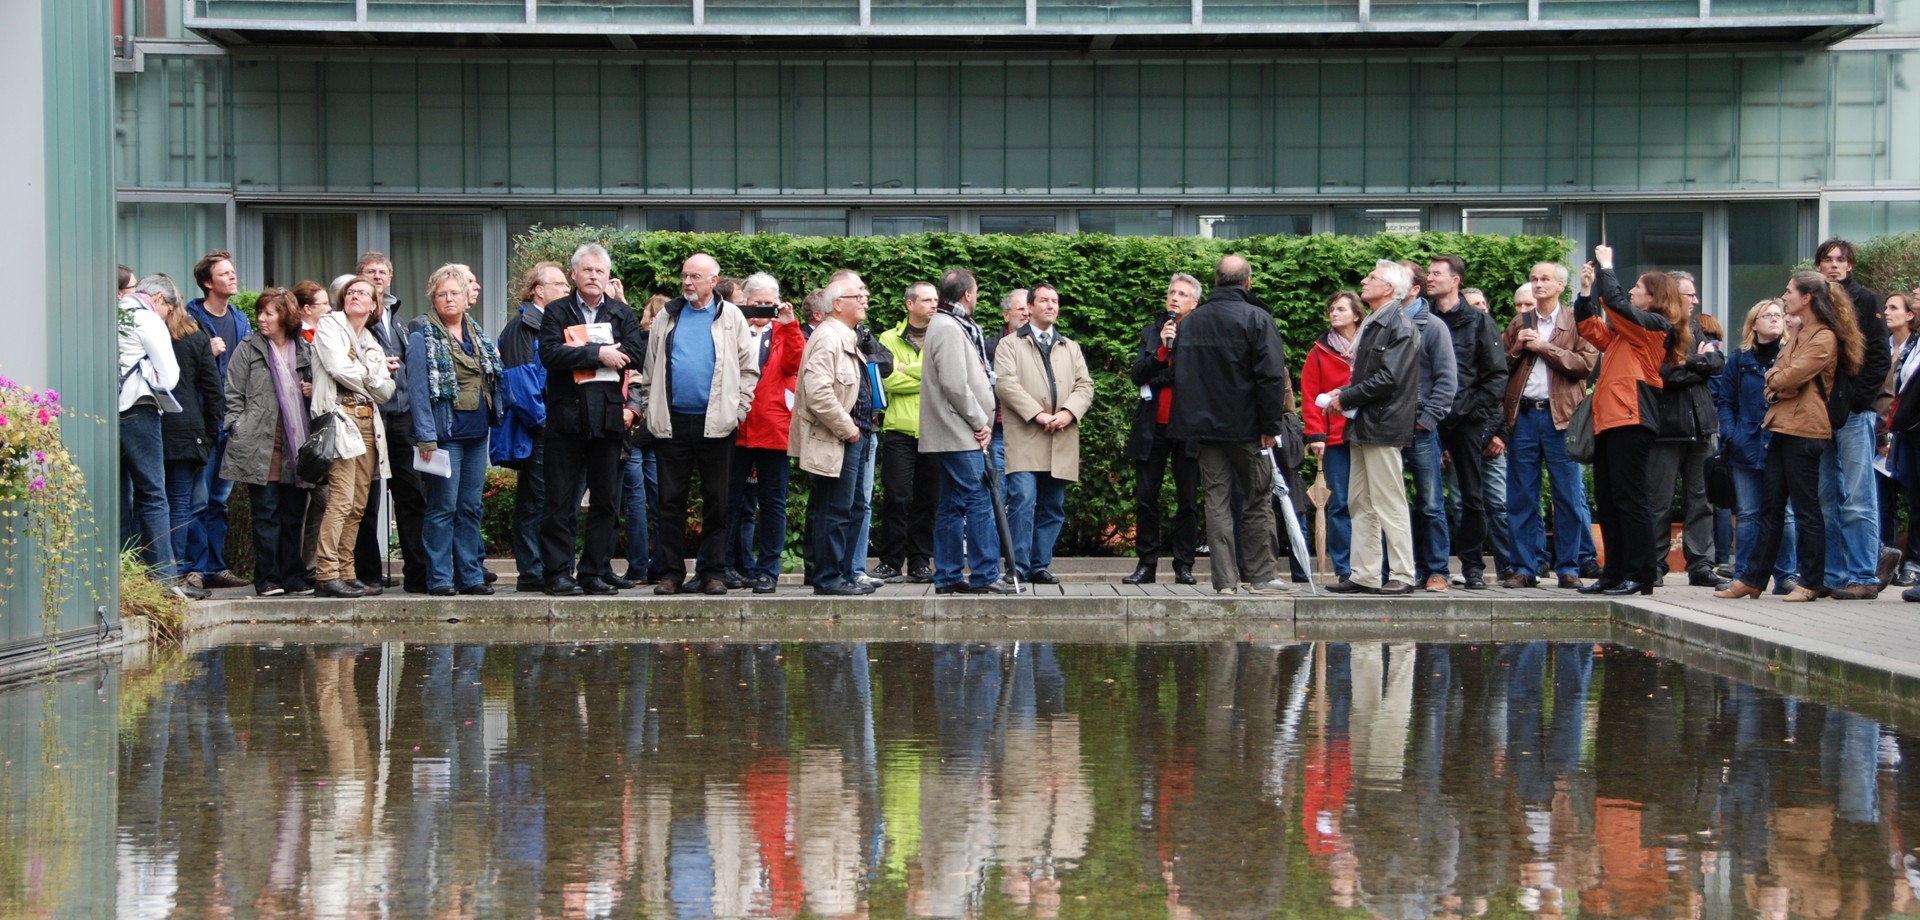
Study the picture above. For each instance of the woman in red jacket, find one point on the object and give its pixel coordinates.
(1329, 367)
(1636, 334)
(755, 541)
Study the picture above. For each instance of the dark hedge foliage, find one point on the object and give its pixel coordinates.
(1110, 287)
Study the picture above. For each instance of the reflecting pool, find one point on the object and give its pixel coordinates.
(1007, 779)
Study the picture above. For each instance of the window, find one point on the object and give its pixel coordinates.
(1645, 241)
(424, 241)
(519, 221)
(901, 225)
(307, 247)
(1863, 220)
(693, 221)
(1142, 222)
(1369, 221)
(802, 221)
(1763, 245)
(1241, 226)
(170, 238)
(1018, 224)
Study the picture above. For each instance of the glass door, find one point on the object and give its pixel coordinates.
(422, 241)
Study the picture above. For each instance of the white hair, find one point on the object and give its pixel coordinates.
(1398, 276)
(1189, 280)
(760, 281)
(159, 286)
(593, 250)
(1559, 271)
(1525, 290)
(839, 289)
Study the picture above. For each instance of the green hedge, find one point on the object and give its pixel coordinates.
(1110, 287)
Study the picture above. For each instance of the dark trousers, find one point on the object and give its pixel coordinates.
(570, 462)
(409, 513)
(1469, 469)
(911, 483)
(1791, 463)
(1148, 476)
(529, 510)
(1671, 463)
(1620, 496)
(278, 511)
(689, 449)
(843, 506)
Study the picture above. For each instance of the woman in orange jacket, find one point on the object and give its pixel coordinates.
(1636, 334)
(1828, 339)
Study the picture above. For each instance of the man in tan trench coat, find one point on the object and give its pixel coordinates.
(1045, 390)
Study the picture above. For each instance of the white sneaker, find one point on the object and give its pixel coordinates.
(1271, 587)
(1227, 591)
(1458, 580)
(870, 580)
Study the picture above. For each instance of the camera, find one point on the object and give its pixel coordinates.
(767, 312)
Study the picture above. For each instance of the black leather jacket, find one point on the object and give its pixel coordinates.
(1385, 388)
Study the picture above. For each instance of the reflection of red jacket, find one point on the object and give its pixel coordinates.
(1324, 372)
(767, 422)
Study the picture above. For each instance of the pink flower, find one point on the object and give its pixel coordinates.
(36, 485)
(39, 456)
(46, 418)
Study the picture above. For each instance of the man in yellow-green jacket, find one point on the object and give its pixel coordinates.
(909, 479)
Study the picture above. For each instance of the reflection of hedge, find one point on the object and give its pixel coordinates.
(1109, 287)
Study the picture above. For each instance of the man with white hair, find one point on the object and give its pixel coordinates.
(1548, 363)
(581, 335)
(1384, 406)
(757, 519)
(701, 372)
(832, 425)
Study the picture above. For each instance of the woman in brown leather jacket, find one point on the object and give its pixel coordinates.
(1797, 387)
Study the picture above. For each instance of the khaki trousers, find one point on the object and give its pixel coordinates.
(1377, 500)
(1225, 466)
(347, 485)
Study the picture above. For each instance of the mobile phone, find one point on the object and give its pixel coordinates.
(766, 312)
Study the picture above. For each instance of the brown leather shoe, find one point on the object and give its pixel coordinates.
(1394, 588)
(1801, 594)
(1737, 590)
(1517, 581)
(1855, 592)
(1347, 586)
(1570, 582)
(1436, 583)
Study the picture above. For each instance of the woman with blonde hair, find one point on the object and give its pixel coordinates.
(1740, 397)
(353, 377)
(454, 375)
(1827, 343)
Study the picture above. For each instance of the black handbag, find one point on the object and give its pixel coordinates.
(316, 454)
(1579, 434)
(1719, 474)
(1293, 441)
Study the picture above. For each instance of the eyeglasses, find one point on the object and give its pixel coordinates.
(853, 297)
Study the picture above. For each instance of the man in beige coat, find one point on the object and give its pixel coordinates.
(1045, 390)
(832, 418)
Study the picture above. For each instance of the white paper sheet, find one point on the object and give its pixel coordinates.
(439, 463)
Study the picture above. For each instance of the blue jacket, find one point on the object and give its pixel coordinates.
(525, 387)
(197, 308)
(1740, 396)
(433, 418)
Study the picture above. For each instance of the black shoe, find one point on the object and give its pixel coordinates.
(616, 581)
(593, 585)
(1002, 587)
(1599, 585)
(638, 578)
(444, 591)
(389, 582)
(525, 586)
(337, 588)
(843, 589)
(765, 584)
(368, 590)
(1143, 574)
(955, 588)
(189, 591)
(734, 580)
(414, 589)
(1630, 587)
(1473, 582)
(868, 587)
(714, 586)
(921, 574)
(491, 576)
(887, 573)
(563, 586)
(667, 585)
(1703, 578)
(482, 589)
(1347, 586)
(298, 588)
(1590, 571)
(1041, 577)
(1183, 574)
(1911, 595)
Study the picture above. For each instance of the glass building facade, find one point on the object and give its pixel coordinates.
(1722, 136)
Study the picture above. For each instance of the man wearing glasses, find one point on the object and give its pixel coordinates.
(516, 442)
(701, 371)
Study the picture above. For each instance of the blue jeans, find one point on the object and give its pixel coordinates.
(842, 506)
(1000, 451)
(963, 529)
(211, 533)
(1337, 463)
(1537, 445)
(529, 504)
(1748, 499)
(638, 493)
(759, 525)
(1851, 501)
(1036, 510)
(872, 441)
(1431, 546)
(452, 532)
(1499, 532)
(144, 516)
(183, 482)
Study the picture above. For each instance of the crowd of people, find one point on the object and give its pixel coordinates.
(975, 436)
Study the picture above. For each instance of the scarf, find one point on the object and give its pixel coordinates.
(1342, 345)
(293, 409)
(974, 336)
(443, 381)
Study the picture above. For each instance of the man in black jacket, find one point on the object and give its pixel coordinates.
(585, 423)
(1152, 451)
(1234, 389)
(1474, 420)
(408, 492)
(1856, 568)
(1385, 404)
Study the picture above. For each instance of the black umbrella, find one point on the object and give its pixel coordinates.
(992, 477)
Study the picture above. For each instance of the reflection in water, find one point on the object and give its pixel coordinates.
(1005, 779)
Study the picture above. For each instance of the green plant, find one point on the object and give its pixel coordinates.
(41, 486)
(143, 595)
(1110, 287)
(496, 517)
(1889, 263)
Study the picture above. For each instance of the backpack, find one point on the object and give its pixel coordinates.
(1839, 401)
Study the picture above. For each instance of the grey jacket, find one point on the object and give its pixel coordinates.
(956, 395)
(1439, 373)
(253, 411)
(1386, 357)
